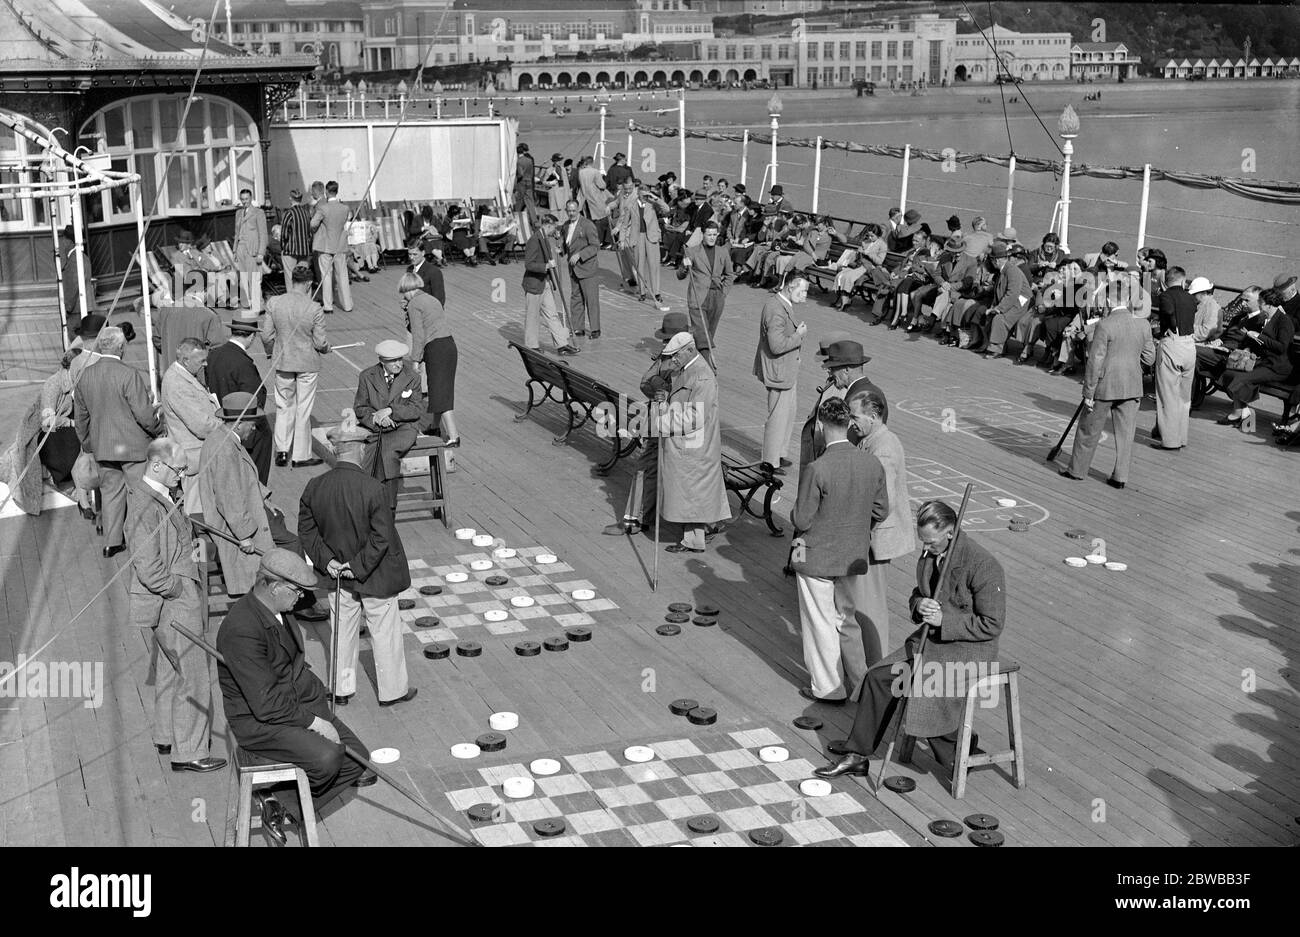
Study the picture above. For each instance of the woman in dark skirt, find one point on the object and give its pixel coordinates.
(62, 447)
(431, 338)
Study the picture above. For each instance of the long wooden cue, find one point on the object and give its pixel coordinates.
(1056, 450)
(925, 634)
(455, 835)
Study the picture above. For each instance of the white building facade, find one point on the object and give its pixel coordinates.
(1026, 56)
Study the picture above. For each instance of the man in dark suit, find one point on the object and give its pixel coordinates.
(582, 244)
(846, 367)
(276, 707)
(964, 623)
(708, 272)
(525, 194)
(231, 369)
(115, 420)
(347, 529)
(428, 272)
(389, 403)
(842, 496)
(1121, 344)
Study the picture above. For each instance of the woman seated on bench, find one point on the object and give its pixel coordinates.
(1271, 343)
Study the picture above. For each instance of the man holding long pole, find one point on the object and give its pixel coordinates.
(539, 293)
(961, 614)
(710, 274)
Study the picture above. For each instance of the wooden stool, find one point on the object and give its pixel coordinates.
(428, 457)
(253, 775)
(1007, 674)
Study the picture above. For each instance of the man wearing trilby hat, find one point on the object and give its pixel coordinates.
(231, 368)
(845, 363)
(347, 528)
(389, 403)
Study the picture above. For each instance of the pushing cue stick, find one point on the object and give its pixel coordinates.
(447, 829)
(1056, 450)
(925, 634)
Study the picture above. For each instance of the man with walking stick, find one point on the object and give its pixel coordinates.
(960, 604)
(710, 274)
(540, 292)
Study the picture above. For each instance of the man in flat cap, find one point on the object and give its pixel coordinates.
(189, 411)
(276, 707)
(347, 527)
(1287, 285)
(231, 368)
(166, 586)
(389, 402)
(295, 340)
(709, 274)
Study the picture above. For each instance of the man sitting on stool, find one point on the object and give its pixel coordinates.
(964, 624)
(389, 403)
(275, 706)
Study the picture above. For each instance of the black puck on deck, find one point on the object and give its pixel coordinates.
(578, 634)
(528, 649)
(669, 631)
(552, 826)
(987, 838)
(496, 580)
(680, 707)
(704, 622)
(767, 836)
(704, 823)
(1077, 534)
(681, 608)
(948, 829)
(555, 644)
(709, 611)
(469, 649)
(491, 742)
(430, 590)
(982, 821)
(807, 722)
(702, 716)
(900, 784)
(437, 651)
(483, 813)
(405, 605)
(677, 618)
(838, 746)
(426, 621)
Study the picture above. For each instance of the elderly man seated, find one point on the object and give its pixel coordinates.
(389, 403)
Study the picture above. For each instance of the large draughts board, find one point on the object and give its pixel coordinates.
(461, 606)
(606, 800)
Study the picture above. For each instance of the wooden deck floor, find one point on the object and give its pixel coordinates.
(1159, 704)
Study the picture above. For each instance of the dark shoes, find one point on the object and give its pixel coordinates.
(307, 463)
(275, 818)
(282, 459)
(595, 334)
(163, 749)
(1115, 484)
(366, 780)
(343, 700)
(851, 764)
(1163, 448)
(682, 548)
(771, 469)
(568, 350)
(410, 695)
(200, 765)
(808, 695)
(624, 528)
(580, 332)
(110, 552)
(1065, 473)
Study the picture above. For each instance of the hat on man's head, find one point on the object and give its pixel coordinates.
(288, 566)
(1200, 285)
(1008, 234)
(955, 244)
(677, 343)
(391, 350)
(556, 157)
(739, 188)
(301, 274)
(673, 323)
(90, 326)
(1284, 281)
(777, 190)
(911, 216)
(618, 156)
(954, 223)
(999, 249)
(239, 405)
(824, 344)
(348, 430)
(521, 147)
(244, 326)
(846, 354)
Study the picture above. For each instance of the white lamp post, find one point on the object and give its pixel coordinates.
(1069, 129)
(774, 107)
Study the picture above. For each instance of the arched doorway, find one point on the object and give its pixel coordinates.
(679, 77)
(697, 75)
(584, 78)
(733, 75)
(640, 78)
(715, 75)
(602, 78)
(960, 73)
(525, 82)
(661, 77)
(545, 80)
(750, 75)
(564, 79)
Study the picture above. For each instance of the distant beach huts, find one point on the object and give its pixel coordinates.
(1227, 68)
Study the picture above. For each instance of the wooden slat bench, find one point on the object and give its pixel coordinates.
(748, 480)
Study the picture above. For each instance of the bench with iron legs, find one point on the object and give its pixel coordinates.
(867, 289)
(750, 481)
(581, 396)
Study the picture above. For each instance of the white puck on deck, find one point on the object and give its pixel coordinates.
(815, 787)
(545, 767)
(639, 753)
(1096, 559)
(1007, 502)
(456, 577)
(385, 756)
(1116, 567)
(465, 750)
(583, 595)
(496, 614)
(522, 601)
(465, 533)
(503, 553)
(504, 722)
(482, 540)
(518, 787)
(546, 558)
(1076, 561)
(773, 753)
(480, 565)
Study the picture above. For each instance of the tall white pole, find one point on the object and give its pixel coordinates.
(681, 138)
(1065, 194)
(629, 141)
(907, 162)
(744, 157)
(52, 212)
(817, 174)
(602, 138)
(80, 252)
(1011, 187)
(1146, 195)
(776, 125)
(146, 309)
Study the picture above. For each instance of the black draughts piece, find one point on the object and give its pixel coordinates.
(704, 622)
(811, 723)
(900, 784)
(702, 716)
(704, 823)
(469, 649)
(982, 821)
(491, 742)
(496, 580)
(430, 590)
(436, 651)
(767, 836)
(708, 611)
(680, 707)
(578, 635)
(406, 604)
(987, 838)
(484, 813)
(552, 826)
(426, 621)
(948, 829)
(668, 631)
(680, 608)
(528, 649)
(677, 618)
(555, 644)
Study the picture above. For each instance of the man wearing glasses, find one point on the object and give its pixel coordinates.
(167, 587)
